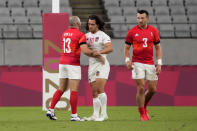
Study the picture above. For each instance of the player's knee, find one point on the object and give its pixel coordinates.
(140, 89)
(153, 90)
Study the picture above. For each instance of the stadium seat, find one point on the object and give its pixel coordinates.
(157, 3)
(175, 2)
(192, 10)
(164, 19)
(20, 20)
(34, 12)
(111, 3)
(129, 11)
(117, 19)
(182, 30)
(180, 19)
(152, 19)
(143, 3)
(30, 3)
(14, 3)
(66, 9)
(6, 20)
(127, 3)
(114, 11)
(190, 3)
(5, 12)
(18, 12)
(192, 19)
(166, 30)
(25, 31)
(35, 20)
(155, 25)
(10, 31)
(2, 3)
(37, 31)
(64, 3)
(163, 10)
(178, 10)
(45, 3)
(194, 30)
(131, 19)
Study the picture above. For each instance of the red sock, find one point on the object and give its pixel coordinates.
(141, 110)
(56, 97)
(73, 101)
(145, 105)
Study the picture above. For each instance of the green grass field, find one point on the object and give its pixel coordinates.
(120, 119)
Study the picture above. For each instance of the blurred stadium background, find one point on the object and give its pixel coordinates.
(21, 49)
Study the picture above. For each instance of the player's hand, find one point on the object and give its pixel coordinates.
(96, 53)
(101, 59)
(129, 65)
(158, 69)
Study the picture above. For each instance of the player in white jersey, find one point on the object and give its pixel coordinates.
(97, 72)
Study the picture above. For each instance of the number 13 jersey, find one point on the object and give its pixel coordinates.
(142, 41)
(71, 40)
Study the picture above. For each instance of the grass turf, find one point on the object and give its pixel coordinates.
(125, 118)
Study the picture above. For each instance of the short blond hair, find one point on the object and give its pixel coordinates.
(73, 20)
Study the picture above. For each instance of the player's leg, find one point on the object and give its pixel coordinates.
(74, 74)
(150, 91)
(102, 96)
(56, 97)
(73, 84)
(152, 78)
(138, 74)
(96, 100)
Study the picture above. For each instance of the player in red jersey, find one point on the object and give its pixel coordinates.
(142, 37)
(73, 41)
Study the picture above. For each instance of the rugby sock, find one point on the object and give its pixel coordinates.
(96, 106)
(103, 99)
(141, 110)
(73, 101)
(56, 97)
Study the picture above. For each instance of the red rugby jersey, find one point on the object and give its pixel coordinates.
(142, 41)
(71, 40)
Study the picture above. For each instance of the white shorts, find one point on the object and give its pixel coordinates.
(97, 70)
(69, 71)
(141, 71)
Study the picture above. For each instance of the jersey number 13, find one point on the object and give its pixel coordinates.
(67, 42)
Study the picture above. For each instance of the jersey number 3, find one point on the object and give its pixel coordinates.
(67, 42)
(145, 42)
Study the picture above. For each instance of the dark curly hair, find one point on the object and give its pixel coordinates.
(143, 12)
(99, 22)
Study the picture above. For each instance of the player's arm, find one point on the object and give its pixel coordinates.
(159, 58)
(89, 52)
(107, 49)
(127, 56)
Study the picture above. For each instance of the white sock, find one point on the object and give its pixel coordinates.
(74, 115)
(96, 106)
(103, 99)
(52, 110)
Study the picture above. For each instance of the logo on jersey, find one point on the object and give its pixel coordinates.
(96, 39)
(151, 33)
(91, 40)
(136, 35)
(97, 73)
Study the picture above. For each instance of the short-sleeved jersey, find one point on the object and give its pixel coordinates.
(71, 40)
(142, 41)
(97, 41)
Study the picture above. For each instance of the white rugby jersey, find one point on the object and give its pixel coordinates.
(97, 41)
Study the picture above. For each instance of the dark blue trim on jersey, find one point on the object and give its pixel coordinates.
(128, 43)
(155, 43)
(82, 43)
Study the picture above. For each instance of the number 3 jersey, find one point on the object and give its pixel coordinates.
(71, 40)
(142, 41)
